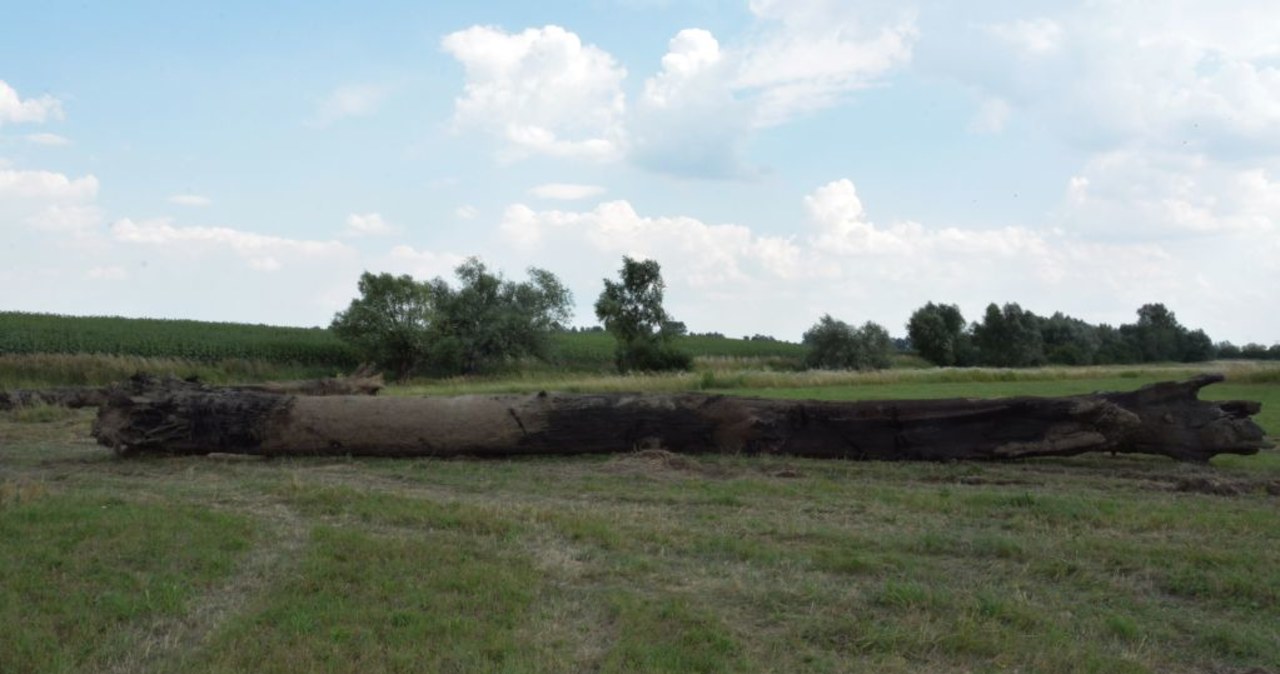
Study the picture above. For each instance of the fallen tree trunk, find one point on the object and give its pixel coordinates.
(94, 396)
(356, 384)
(1165, 419)
(70, 396)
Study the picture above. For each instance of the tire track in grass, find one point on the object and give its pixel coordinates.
(168, 644)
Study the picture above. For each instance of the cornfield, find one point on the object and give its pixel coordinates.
(208, 343)
(24, 333)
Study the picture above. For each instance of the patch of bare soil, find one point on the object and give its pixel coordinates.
(660, 462)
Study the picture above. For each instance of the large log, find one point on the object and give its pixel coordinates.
(66, 396)
(1165, 419)
(360, 383)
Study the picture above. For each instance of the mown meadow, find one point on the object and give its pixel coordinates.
(645, 562)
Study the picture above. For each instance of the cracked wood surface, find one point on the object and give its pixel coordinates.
(1166, 419)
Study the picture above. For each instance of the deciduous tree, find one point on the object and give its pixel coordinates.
(631, 310)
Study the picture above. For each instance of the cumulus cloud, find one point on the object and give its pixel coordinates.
(259, 251)
(17, 110)
(736, 279)
(1131, 194)
(351, 100)
(190, 200)
(565, 191)
(76, 219)
(991, 116)
(50, 202)
(542, 91)
(689, 121)
(367, 224)
(1178, 76)
(421, 264)
(48, 139)
(36, 184)
(1034, 36)
(814, 52)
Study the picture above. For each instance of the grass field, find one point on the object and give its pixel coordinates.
(50, 350)
(641, 563)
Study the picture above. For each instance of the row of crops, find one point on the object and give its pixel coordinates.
(25, 333)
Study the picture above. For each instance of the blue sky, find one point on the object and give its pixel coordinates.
(781, 159)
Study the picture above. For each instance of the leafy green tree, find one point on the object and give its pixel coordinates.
(1158, 334)
(488, 320)
(1254, 351)
(403, 325)
(389, 324)
(1009, 337)
(1069, 341)
(1116, 346)
(937, 333)
(631, 310)
(1197, 347)
(836, 345)
(1227, 350)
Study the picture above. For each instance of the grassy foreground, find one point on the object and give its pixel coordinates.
(641, 563)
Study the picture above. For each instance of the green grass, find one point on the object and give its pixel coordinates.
(79, 573)
(43, 370)
(641, 564)
(428, 602)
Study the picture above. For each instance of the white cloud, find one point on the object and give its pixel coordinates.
(112, 273)
(259, 251)
(730, 278)
(15, 109)
(542, 91)
(688, 121)
(566, 191)
(814, 52)
(1035, 36)
(1129, 194)
(421, 264)
(367, 224)
(351, 100)
(50, 139)
(466, 212)
(24, 184)
(190, 200)
(76, 219)
(991, 117)
(1180, 76)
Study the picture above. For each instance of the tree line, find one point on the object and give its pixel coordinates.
(1010, 336)
(407, 326)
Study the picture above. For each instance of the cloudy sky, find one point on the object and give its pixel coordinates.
(782, 159)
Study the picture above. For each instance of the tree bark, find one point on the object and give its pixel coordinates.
(1164, 419)
(360, 383)
(69, 396)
